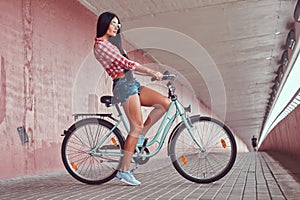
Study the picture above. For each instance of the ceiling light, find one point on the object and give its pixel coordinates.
(290, 40)
(269, 58)
(277, 33)
(284, 58)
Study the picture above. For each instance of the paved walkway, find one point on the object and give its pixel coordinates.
(254, 176)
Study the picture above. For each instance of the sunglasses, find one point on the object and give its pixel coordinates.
(116, 25)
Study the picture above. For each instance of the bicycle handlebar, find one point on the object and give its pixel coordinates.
(166, 76)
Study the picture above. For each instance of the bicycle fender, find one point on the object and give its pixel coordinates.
(171, 136)
(176, 129)
(78, 123)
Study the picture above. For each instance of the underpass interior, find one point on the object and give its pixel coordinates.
(236, 61)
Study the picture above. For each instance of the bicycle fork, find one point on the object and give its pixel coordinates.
(188, 124)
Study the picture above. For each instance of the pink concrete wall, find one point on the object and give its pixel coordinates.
(42, 45)
(285, 137)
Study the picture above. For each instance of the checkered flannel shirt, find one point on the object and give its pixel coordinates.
(111, 59)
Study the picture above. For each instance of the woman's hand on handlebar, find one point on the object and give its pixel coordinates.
(158, 76)
(165, 76)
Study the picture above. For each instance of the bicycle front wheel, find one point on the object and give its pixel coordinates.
(80, 156)
(210, 163)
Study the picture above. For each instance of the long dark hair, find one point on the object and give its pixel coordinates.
(117, 41)
(103, 23)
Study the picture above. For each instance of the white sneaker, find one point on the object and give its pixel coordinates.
(127, 177)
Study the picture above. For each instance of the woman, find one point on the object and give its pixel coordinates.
(128, 90)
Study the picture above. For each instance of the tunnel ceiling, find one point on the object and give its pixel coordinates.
(244, 40)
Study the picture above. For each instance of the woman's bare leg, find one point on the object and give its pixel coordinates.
(152, 98)
(132, 108)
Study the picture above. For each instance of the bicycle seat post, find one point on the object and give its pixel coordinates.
(118, 109)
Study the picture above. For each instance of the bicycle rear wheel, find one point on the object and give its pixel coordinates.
(77, 153)
(211, 164)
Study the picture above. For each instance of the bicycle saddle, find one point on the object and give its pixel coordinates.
(108, 100)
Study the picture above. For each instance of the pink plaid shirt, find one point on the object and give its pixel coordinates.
(111, 59)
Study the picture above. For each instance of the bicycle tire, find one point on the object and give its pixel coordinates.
(191, 162)
(76, 148)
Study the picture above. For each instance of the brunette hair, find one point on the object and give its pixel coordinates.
(103, 23)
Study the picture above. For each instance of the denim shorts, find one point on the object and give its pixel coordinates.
(125, 87)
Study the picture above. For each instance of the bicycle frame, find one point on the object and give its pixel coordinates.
(163, 130)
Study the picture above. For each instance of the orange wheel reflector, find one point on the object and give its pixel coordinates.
(223, 143)
(74, 166)
(183, 159)
(114, 141)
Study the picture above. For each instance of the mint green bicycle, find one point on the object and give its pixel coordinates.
(202, 149)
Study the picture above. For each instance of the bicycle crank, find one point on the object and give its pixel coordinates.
(142, 160)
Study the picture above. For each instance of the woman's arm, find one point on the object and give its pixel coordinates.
(140, 73)
(145, 71)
